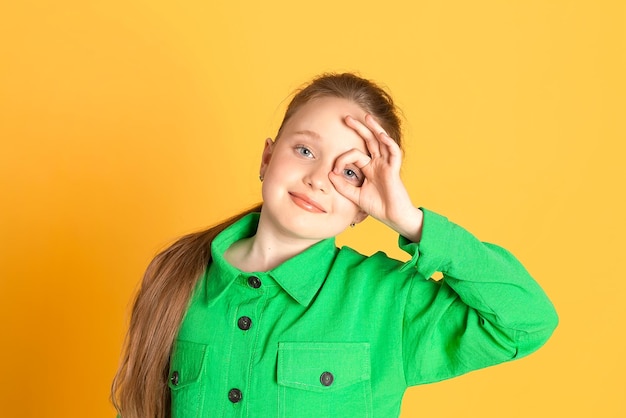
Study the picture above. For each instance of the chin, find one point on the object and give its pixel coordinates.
(312, 232)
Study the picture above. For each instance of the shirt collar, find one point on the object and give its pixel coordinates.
(301, 276)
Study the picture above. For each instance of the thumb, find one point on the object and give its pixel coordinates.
(347, 190)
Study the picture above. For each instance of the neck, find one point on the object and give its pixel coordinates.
(265, 250)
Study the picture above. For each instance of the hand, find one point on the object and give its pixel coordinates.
(382, 194)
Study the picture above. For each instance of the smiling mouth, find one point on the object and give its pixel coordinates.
(306, 203)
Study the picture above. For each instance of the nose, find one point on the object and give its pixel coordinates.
(317, 178)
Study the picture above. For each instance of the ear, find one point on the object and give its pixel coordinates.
(360, 217)
(266, 156)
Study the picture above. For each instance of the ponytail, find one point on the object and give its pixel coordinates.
(139, 389)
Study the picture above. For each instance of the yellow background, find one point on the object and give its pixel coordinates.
(125, 124)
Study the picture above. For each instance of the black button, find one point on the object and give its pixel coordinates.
(244, 323)
(234, 395)
(327, 378)
(254, 282)
(174, 378)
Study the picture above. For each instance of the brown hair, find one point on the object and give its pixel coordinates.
(370, 97)
(140, 389)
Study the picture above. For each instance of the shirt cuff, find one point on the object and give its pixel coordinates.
(429, 255)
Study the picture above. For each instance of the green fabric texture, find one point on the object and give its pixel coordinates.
(335, 333)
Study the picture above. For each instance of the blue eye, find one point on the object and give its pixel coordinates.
(353, 176)
(304, 151)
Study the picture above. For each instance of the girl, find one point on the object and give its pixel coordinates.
(263, 316)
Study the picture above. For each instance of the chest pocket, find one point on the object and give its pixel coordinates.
(186, 366)
(324, 380)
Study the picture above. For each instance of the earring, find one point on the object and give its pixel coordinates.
(261, 178)
(352, 225)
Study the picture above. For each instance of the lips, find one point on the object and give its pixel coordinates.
(305, 203)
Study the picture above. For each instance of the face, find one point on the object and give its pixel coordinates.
(299, 199)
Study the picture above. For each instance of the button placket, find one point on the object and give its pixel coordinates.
(244, 342)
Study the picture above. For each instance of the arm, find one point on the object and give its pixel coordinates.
(486, 310)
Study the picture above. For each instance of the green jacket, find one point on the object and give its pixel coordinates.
(333, 333)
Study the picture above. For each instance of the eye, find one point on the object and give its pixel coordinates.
(304, 151)
(353, 175)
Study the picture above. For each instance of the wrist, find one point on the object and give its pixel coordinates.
(409, 225)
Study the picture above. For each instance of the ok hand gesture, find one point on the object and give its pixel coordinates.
(382, 194)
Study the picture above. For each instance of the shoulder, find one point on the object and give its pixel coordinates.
(349, 258)
(380, 277)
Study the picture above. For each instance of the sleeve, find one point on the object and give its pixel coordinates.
(486, 310)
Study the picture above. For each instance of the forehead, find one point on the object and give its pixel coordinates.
(324, 117)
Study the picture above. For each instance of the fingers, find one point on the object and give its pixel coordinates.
(374, 126)
(372, 144)
(388, 147)
(352, 157)
(344, 188)
(378, 142)
(353, 167)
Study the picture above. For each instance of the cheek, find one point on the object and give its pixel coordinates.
(275, 170)
(344, 205)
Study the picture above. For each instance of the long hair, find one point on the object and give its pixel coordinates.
(140, 389)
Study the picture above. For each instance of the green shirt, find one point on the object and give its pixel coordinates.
(333, 333)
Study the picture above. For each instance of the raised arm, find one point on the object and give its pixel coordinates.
(486, 310)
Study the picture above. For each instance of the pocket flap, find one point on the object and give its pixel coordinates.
(185, 364)
(322, 366)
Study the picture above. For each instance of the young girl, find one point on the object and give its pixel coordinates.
(262, 316)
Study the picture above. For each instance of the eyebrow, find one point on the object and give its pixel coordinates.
(307, 132)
